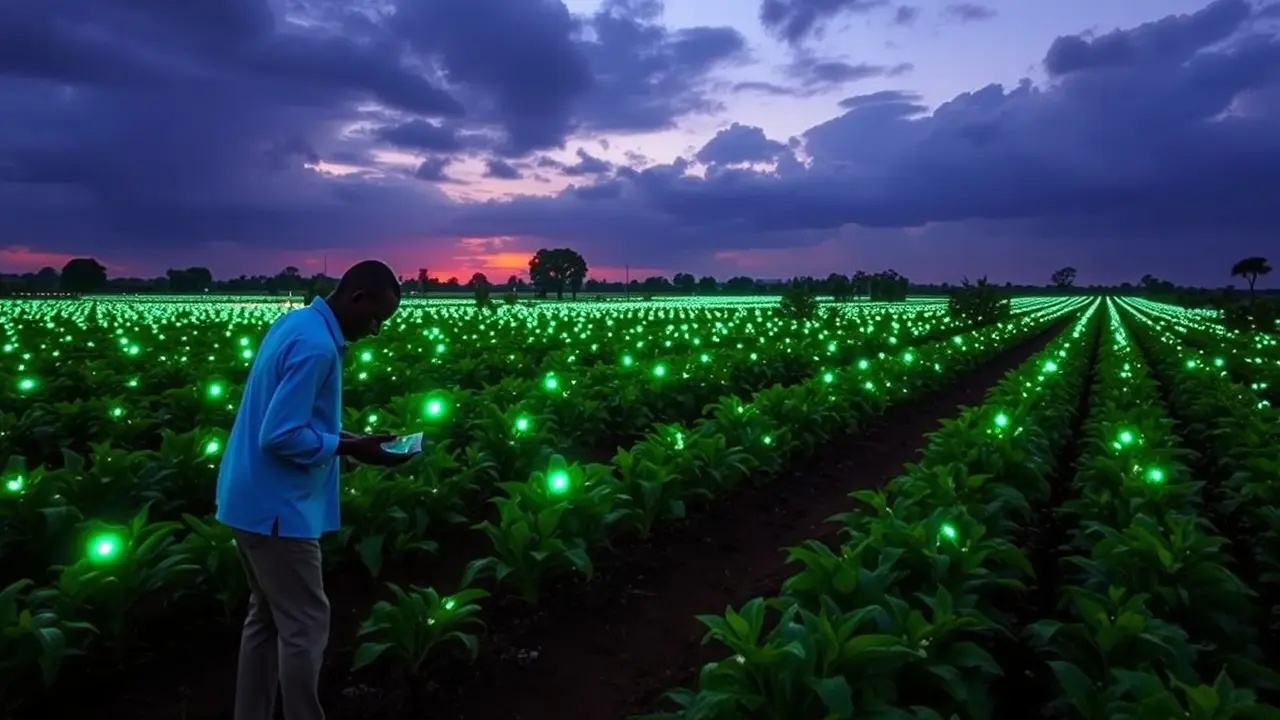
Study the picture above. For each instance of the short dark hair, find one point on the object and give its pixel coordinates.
(370, 276)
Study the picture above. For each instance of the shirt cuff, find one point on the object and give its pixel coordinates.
(328, 446)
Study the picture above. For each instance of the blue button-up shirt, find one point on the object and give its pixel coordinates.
(279, 470)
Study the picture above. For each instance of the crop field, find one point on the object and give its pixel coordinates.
(688, 509)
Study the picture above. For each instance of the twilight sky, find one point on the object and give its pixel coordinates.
(759, 137)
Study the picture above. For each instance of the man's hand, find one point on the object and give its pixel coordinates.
(367, 449)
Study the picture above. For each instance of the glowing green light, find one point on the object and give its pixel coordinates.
(1002, 420)
(828, 377)
(117, 412)
(1219, 362)
(522, 424)
(767, 439)
(704, 357)
(948, 531)
(909, 358)
(15, 484)
(1155, 476)
(244, 342)
(627, 361)
(1126, 437)
(366, 356)
(246, 353)
(213, 447)
(550, 382)
(1051, 367)
(558, 482)
(863, 364)
(26, 384)
(216, 390)
(104, 547)
(435, 408)
(659, 370)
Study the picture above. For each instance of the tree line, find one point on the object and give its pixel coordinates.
(557, 272)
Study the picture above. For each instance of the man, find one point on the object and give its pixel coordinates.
(278, 486)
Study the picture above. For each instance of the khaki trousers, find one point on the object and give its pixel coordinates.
(286, 631)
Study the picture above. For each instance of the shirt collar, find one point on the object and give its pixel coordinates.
(331, 322)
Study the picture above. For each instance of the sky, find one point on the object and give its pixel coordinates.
(769, 138)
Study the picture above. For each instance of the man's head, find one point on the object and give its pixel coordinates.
(367, 296)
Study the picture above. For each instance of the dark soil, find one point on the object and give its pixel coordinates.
(594, 653)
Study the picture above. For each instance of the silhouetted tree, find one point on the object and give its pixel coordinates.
(81, 275)
(1064, 278)
(684, 282)
(478, 279)
(707, 285)
(557, 270)
(1249, 269)
(839, 287)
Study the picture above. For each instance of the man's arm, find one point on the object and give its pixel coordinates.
(288, 429)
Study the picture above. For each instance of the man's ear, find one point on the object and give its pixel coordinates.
(358, 296)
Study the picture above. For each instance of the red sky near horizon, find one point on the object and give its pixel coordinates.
(497, 266)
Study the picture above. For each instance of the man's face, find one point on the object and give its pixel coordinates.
(371, 311)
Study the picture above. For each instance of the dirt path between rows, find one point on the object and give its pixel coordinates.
(618, 652)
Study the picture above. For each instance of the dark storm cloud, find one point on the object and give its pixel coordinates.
(149, 125)
(797, 20)
(501, 169)
(155, 122)
(1129, 153)
(882, 97)
(905, 15)
(740, 144)
(968, 12)
(1175, 39)
(587, 164)
(809, 75)
(433, 170)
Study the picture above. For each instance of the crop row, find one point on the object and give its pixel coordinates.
(892, 624)
(1251, 358)
(1238, 436)
(545, 526)
(896, 623)
(1151, 614)
(500, 435)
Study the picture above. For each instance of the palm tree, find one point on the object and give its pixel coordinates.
(1249, 269)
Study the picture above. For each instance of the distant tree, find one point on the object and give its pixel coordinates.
(740, 285)
(82, 275)
(888, 286)
(707, 285)
(839, 287)
(656, 283)
(556, 270)
(46, 280)
(292, 271)
(684, 282)
(198, 279)
(1064, 278)
(481, 285)
(513, 282)
(861, 282)
(1250, 269)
